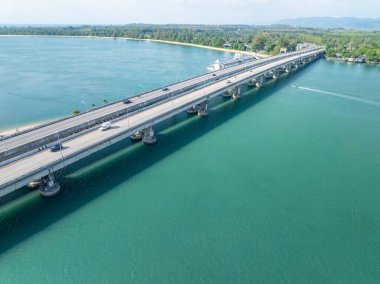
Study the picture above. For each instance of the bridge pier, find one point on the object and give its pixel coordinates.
(203, 109)
(260, 81)
(268, 75)
(227, 94)
(49, 186)
(192, 110)
(34, 184)
(236, 92)
(137, 135)
(149, 137)
(276, 74)
(251, 83)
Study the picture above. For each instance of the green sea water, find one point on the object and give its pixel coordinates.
(281, 186)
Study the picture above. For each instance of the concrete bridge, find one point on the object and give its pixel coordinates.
(24, 156)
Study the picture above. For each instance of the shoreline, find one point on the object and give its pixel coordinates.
(346, 60)
(151, 40)
(11, 131)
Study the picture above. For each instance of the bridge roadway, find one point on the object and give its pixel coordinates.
(20, 172)
(28, 141)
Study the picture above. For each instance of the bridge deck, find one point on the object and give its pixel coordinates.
(59, 126)
(18, 171)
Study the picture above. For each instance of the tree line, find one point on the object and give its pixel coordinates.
(267, 39)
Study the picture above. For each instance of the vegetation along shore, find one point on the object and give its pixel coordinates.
(339, 43)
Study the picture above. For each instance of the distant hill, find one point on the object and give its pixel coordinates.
(329, 22)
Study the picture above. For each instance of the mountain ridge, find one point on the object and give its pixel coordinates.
(331, 22)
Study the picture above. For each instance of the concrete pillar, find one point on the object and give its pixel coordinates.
(149, 137)
(268, 75)
(49, 186)
(228, 93)
(236, 93)
(192, 110)
(137, 135)
(34, 184)
(260, 81)
(251, 83)
(276, 74)
(203, 109)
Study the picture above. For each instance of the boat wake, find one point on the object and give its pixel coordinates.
(347, 97)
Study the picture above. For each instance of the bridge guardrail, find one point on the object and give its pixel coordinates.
(93, 122)
(144, 124)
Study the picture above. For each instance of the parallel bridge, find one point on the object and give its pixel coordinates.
(24, 157)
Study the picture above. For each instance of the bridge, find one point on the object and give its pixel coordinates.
(25, 157)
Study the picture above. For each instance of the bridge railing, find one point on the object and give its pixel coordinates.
(68, 159)
(50, 138)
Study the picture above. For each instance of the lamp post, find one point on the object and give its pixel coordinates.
(59, 143)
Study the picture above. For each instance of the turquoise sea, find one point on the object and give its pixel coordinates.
(281, 186)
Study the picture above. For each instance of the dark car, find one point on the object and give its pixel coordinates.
(55, 147)
(165, 89)
(214, 74)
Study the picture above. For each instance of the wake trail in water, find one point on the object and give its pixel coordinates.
(338, 95)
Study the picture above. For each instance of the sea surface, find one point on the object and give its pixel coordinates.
(281, 186)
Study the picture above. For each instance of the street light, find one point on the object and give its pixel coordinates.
(59, 143)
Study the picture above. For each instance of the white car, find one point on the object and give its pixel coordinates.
(105, 126)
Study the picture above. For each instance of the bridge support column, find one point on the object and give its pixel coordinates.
(203, 109)
(49, 186)
(236, 93)
(251, 83)
(192, 110)
(34, 184)
(276, 74)
(149, 137)
(228, 93)
(287, 68)
(268, 75)
(137, 135)
(260, 81)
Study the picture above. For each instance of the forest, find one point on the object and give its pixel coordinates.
(266, 39)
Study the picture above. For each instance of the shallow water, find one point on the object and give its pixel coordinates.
(45, 78)
(281, 186)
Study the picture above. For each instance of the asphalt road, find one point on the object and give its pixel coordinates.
(39, 133)
(16, 170)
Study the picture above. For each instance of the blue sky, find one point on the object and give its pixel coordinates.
(177, 11)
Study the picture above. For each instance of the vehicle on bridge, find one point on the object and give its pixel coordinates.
(22, 155)
(105, 126)
(55, 147)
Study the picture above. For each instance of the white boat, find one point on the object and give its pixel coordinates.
(238, 59)
(216, 66)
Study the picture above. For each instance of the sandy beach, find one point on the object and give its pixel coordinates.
(151, 40)
(7, 132)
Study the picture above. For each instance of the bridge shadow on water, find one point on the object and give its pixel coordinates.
(87, 180)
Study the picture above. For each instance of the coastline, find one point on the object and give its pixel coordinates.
(346, 60)
(10, 131)
(151, 40)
